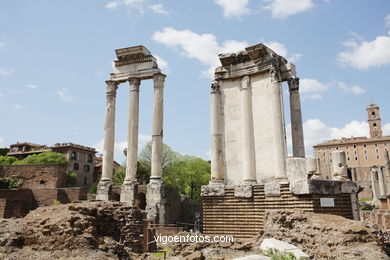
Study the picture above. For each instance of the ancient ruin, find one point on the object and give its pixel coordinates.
(133, 65)
(250, 169)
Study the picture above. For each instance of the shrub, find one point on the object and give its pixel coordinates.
(7, 160)
(57, 202)
(71, 179)
(43, 158)
(10, 183)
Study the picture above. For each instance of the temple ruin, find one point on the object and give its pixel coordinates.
(134, 64)
(250, 170)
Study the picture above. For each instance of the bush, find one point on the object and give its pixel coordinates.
(10, 183)
(71, 179)
(275, 254)
(367, 207)
(7, 160)
(43, 158)
(57, 202)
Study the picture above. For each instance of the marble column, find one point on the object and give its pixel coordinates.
(339, 166)
(387, 169)
(248, 144)
(374, 172)
(382, 189)
(105, 183)
(296, 118)
(216, 136)
(278, 126)
(157, 131)
(129, 187)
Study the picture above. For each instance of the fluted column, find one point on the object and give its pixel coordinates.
(374, 172)
(278, 126)
(382, 188)
(157, 132)
(248, 145)
(216, 135)
(108, 146)
(296, 118)
(132, 134)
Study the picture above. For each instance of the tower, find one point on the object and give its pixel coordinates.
(374, 121)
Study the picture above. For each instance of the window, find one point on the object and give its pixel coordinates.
(354, 146)
(356, 158)
(365, 151)
(330, 160)
(346, 147)
(364, 145)
(89, 158)
(323, 154)
(376, 150)
(377, 157)
(375, 128)
(86, 168)
(348, 158)
(76, 166)
(73, 156)
(347, 152)
(85, 180)
(355, 152)
(337, 147)
(376, 145)
(366, 158)
(385, 144)
(373, 114)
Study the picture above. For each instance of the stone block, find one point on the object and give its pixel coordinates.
(272, 189)
(283, 246)
(213, 190)
(308, 186)
(349, 187)
(243, 191)
(296, 168)
(103, 190)
(128, 192)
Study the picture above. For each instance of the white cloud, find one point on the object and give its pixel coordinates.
(281, 50)
(387, 21)
(2, 44)
(386, 129)
(6, 72)
(2, 141)
(233, 8)
(159, 9)
(31, 86)
(162, 64)
(353, 89)
(315, 132)
(112, 5)
(363, 54)
(64, 95)
(286, 8)
(203, 47)
(311, 85)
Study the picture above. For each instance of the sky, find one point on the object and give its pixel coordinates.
(56, 55)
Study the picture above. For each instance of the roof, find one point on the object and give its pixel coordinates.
(352, 140)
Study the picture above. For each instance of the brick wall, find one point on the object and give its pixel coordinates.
(37, 176)
(47, 197)
(244, 217)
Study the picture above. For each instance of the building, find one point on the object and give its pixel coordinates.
(362, 153)
(80, 158)
(98, 164)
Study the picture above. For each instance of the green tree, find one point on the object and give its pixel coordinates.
(7, 160)
(43, 158)
(4, 151)
(71, 179)
(188, 175)
(119, 176)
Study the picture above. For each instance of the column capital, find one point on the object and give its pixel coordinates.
(293, 84)
(111, 88)
(215, 88)
(245, 83)
(159, 80)
(134, 84)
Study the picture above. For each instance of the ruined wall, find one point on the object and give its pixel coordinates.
(244, 217)
(37, 176)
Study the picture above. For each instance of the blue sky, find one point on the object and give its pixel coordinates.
(56, 55)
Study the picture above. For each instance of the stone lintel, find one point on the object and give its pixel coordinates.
(140, 74)
(243, 191)
(272, 189)
(213, 189)
(135, 54)
(309, 186)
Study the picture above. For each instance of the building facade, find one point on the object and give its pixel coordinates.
(362, 153)
(80, 158)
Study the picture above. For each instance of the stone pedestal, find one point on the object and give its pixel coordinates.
(155, 201)
(213, 189)
(339, 166)
(128, 192)
(103, 190)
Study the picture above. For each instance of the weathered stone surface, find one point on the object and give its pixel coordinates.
(213, 190)
(272, 189)
(296, 168)
(324, 236)
(243, 191)
(308, 186)
(283, 246)
(91, 228)
(339, 166)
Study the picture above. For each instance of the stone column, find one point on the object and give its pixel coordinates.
(354, 174)
(339, 166)
(157, 132)
(386, 172)
(279, 138)
(374, 172)
(156, 194)
(382, 189)
(105, 183)
(216, 136)
(129, 187)
(248, 145)
(296, 118)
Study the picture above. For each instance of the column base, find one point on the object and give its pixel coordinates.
(129, 190)
(215, 188)
(249, 182)
(103, 190)
(243, 191)
(155, 200)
